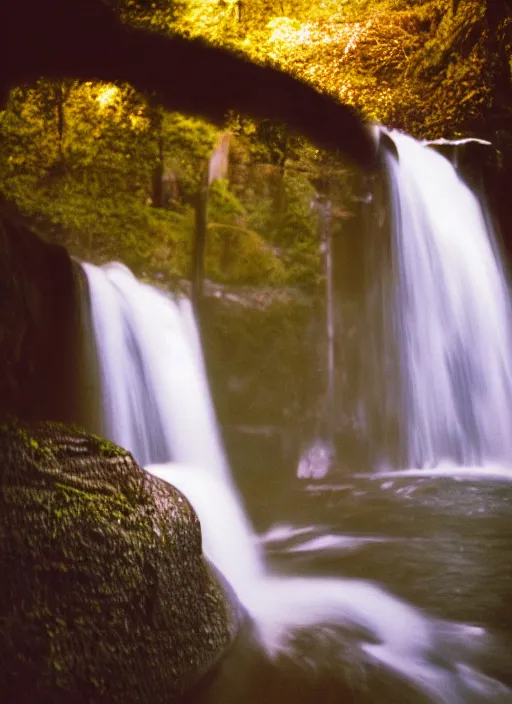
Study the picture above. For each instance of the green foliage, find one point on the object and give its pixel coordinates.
(239, 256)
(109, 175)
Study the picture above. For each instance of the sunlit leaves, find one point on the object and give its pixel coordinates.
(107, 95)
(83, 156)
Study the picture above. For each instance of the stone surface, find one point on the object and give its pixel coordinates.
(37, 324)
(105, 595)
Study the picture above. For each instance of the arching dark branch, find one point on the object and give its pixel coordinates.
(84, 39)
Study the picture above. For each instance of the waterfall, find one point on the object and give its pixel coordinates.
(452, 316)
(156, 400)
(156, 403)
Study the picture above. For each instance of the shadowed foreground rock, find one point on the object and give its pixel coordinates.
(105, 595)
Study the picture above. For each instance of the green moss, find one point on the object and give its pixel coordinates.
(109, 448)
(40, 449)
(78, 504)
(104, 571)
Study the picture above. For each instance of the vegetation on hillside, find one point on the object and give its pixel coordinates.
(102, 170)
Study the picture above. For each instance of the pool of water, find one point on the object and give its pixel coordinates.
(441, 543)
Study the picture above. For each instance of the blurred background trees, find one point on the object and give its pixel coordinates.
(99, 168)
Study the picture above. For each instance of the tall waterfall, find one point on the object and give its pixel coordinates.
(452, 321)
(156, 400)
(156, 403)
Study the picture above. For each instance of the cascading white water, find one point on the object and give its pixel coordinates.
(155, 393)
(431, 654)
(452, 316)
(157, 404)
(156, 400)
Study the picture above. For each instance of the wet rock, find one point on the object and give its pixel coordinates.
(37, 324)
(105, 595)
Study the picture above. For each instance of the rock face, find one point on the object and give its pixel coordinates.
(105, 595)
(37, 324)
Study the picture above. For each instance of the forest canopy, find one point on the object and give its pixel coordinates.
(103, 170)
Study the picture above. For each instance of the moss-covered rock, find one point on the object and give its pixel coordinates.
(105, 595)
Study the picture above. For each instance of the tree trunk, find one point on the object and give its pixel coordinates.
(59, 96)
(201, 227)
(157, 178)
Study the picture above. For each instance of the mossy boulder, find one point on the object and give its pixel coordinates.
(105, 595)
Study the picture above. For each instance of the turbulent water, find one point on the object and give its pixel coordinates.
(436, 656)
(452, 316)
(156, 403)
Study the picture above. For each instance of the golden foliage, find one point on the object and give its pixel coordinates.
(412, 65)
